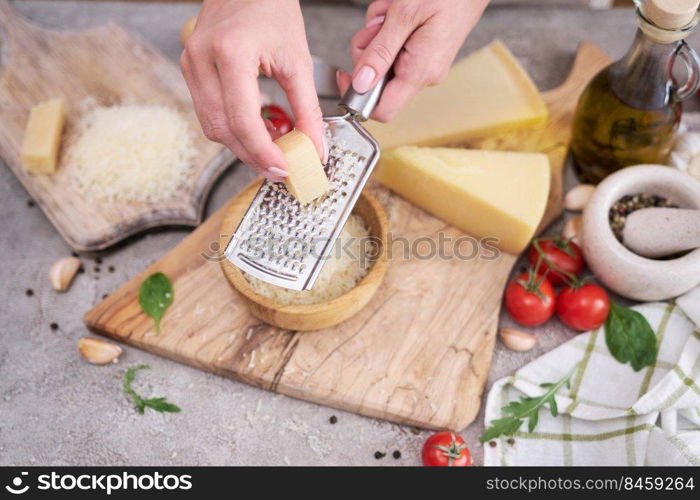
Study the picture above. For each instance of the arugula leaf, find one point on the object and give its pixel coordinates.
(630, 338)
(155, 296)
(161, 405)
(157, 404)
(128, 379)
(526, 408)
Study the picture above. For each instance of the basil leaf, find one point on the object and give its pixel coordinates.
(155, 296)
(630, 338)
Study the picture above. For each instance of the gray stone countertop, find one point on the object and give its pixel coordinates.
(57, 410)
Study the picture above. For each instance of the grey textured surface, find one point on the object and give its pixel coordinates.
(56, 409)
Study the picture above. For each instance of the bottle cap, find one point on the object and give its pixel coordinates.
(671, 14)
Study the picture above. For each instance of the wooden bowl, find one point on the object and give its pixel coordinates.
(306, 317)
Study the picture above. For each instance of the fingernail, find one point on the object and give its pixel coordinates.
(277, 172)
(269, 125)
(375, 21)
(363, 79)
(325, 149)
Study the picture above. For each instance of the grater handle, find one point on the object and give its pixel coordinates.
(361, 105)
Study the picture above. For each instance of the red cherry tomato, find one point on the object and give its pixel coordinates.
(279, 118)
(559, 256)
(446, 449)
(583, 307)
(530, 299)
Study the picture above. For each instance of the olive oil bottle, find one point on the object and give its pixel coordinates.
(630, 111)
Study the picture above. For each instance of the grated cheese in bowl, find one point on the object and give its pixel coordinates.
(347, 264)
(131, 152)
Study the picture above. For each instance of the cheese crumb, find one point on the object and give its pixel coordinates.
(131, 153)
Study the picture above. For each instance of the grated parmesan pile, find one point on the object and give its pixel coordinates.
(341, 272)
(131, 153)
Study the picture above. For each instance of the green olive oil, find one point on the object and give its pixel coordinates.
(609, 134)
(630, 111)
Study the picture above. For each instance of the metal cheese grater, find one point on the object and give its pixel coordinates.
(285, 243)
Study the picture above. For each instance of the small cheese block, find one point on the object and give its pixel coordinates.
(187, 30)
(306, 180)
(484, 193)
(484, 93)
(42, 137)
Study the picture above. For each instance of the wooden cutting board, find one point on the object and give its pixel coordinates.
(418, 354)
(107, 65)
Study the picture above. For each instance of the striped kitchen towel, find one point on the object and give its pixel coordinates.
(610, 414)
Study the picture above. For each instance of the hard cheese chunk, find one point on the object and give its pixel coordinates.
(42, 137)
(484, 93)
(485, 193)
(307, 179)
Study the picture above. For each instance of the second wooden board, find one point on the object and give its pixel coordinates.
(106, 66)
(418, 353)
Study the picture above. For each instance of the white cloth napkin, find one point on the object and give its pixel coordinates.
(610, 414)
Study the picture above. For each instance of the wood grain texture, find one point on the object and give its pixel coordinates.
(417, 354)
(307, 317)
(109, 66)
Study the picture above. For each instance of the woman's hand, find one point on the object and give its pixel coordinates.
(419, 38)
(232, 42)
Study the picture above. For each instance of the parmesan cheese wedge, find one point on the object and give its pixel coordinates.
(484, 93)
(42, 137)
(484, 193)
(306, 178)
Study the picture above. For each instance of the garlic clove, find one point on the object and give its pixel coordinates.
(62, 273)
(515, 340)
(572, 229)
(686, 146)
(577, 198)
(98, 352)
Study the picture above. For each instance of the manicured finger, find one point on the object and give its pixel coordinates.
(343, 80)
(241, 95)
(361, 40)
(272, 130)
(380, 53)
(376, 9)
(395, 96)
(202, 80)
(209, 107)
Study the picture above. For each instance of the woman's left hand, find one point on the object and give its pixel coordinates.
(418, 38)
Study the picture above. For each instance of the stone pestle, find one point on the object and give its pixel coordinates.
(660, 232)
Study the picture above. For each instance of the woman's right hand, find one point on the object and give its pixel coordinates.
(233, 41)
(418, 39)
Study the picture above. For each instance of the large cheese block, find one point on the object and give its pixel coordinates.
(306, 178)
(486, 92)
(496, 194)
